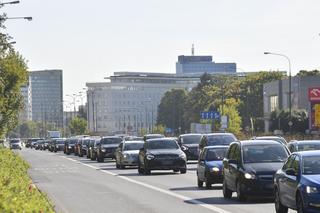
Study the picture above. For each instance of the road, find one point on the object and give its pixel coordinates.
(79, 185)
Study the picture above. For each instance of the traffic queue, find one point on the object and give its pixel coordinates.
(260, 167)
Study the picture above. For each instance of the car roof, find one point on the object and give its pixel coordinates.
(191, 134)
(137, 141)
(218, 134)
(215, 147)
(258, 142)
(307, 141)
(308, 153)
(111, 137)
(160, 139)
(264, 137)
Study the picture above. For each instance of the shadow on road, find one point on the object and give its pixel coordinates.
(195, 188)
(221, 200)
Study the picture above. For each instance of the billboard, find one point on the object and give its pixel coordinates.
(314, 94)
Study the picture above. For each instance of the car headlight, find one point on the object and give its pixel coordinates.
(125, 156)
(69, 147)
(310, 189)
(150, 157)
(215, 169)
(103, 150)
(183, 156)
(249, 176)
(57, 146)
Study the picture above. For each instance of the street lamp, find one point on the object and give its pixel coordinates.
(289, 62)
(29, 18)
(11, 2)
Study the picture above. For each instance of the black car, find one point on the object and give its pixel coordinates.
(30, 142)
(69, 145)
(189, 144)
(94, 148)
(216, 139)
(107, 147)
(249, 167)
(83, 145)
(161, 154)
(298, 146)
(273, 138)
(38, 145)
(58, 144)
(127, 153)
(152, 136)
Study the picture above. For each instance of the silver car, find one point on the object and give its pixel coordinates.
(127, 153)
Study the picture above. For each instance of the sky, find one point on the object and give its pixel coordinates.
(90, 40)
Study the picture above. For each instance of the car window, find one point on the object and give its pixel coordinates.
(162, 144)
(111, 140)
(132, 146)
(288, 163)
(295, 164)
(264, 153)
(220, 140)
(231, 152)
(308, 146)
(191, 139)
(216, 154)
(311, 165)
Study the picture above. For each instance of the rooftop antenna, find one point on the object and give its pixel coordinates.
(192, 50)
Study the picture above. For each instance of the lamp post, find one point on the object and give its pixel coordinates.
(73, 96)
(10, 2)
(290, 105)
(29, 18)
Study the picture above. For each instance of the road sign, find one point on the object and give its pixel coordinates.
(314, 94)
(169, 130)
(210, 115)
(224, 122)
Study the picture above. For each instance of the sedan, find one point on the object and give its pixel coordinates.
(127, 153)
(189, 144)
(161, 154)
(209, 169)
(297, 183)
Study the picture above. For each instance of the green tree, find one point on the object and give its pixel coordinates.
(308, 73)
(78, 126)
(280, 120)
(171, 109)
(230, 109)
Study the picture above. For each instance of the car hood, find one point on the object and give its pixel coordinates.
(131, 152)
(164, 151)
(191, 145)
(109, 145)
(314, 179)
(215, 163)
(263, 168)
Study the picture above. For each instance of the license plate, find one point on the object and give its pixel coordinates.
(166, 162)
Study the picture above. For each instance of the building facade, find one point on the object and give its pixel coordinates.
(276, 95)
(198, 65)
(47, 96)
(26, 112)
(129, 101)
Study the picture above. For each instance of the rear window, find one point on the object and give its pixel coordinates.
(216, 154)
(133, 146)
(14, 141)
(309, 146)
(264, 153)
(220, 139)
(162, 144)
(191, 139)
(311, 165)
(111, 140)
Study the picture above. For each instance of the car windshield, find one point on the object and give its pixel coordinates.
(14, 141)
(216, 154)
(311, 165)
(60, 141)
(220, 139)
(162, 144)
(154, 136)
(133, 146)
(111, 140)
(308, 146)
(71, 142)
(191, 139)
(264, 153)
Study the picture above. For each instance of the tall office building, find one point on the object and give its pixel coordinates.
(198, 65)
(26, 113)
(47, 97)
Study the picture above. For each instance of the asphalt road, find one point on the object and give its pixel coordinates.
(79, 185)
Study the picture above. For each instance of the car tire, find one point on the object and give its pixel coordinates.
(183, 171)
(277, 203)
(299, 204)
(200, 183)
(140, 170)
(208, 183)
(240, 196)
(227, 193)
(146, 171)
(122, 166)
(176, 170)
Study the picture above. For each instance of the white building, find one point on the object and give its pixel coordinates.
(129, 101)
(26, 112)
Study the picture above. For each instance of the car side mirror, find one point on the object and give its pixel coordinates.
(232, 161)
(291, 172)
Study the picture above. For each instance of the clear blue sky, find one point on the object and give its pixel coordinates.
(90, 40)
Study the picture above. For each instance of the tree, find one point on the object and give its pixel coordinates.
(78, 126)
(171, 109)
(308, 73)
(280, 120)
(231, 110)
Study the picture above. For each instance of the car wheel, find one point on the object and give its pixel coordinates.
(240, 196)
(208, 184)
(183, 171)
(227, 193)
(299, 204)
(199, 182)
(278, 205)
(122, 166)
(176, 170)
(146, 171)
(140, 170)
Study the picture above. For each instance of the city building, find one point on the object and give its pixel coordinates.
(26, 113)
(276, 95)
(47, 97)
(128, 102)
(198, 65)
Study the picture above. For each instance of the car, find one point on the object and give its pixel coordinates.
(297, 183)
(30, 141)
(127, 153)
(297, 146)
(89, 147)
(249, 167)
(274, 138)
(209, 168)
(82, 147)
(69, 145)
(38, 144)
(161, 154)
(189, 144)
(151, 136)
(94, 148)
(133, 138)
(15, 143)
(215, 139)
(58, 144)
(107, 146)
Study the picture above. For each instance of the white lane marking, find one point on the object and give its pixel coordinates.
(184, 198)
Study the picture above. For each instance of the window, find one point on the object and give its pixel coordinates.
(273, 103)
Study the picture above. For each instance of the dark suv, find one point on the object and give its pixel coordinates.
(107, 147)
(161, 154)
(216, 139)
(249, 167)
(189, 144)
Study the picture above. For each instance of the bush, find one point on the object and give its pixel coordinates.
(16, 191)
